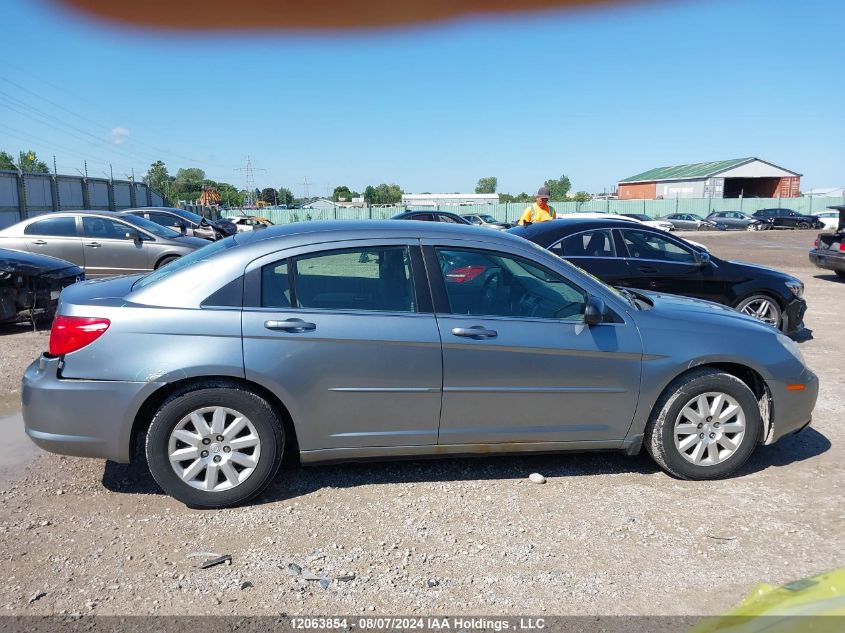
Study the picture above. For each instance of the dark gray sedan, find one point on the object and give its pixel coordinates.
(362, 340)
(101, 242)
(738, 221)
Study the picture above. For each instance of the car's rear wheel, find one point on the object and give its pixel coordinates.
(166, 260)
(214, 445)
(763, 308)
(752, 227)
(705, 425)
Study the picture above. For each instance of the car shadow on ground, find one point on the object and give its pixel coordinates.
(830, 277)
(295, 480)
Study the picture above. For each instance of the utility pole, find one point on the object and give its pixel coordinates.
(249, 176)
(306, 190)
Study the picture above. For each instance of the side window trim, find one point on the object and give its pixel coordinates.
(609, 237)
(669, 239)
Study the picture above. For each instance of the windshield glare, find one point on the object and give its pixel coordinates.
(150, 227)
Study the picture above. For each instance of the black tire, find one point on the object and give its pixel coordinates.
(778, 317)
(803, 225)
(840, 273)
(166, 260)
(659, 432)
(752, 227)
(263, 418)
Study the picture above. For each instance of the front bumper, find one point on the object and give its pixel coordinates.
(793, 316)
(792, 409)
(84, 418)
(829, 260)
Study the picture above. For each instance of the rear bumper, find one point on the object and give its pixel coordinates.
(792, 410)
(829, 260)
(84, 418)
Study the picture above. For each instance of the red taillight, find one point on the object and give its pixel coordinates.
(465, 273)
(842, 247)
(72, 333)
(816, 243)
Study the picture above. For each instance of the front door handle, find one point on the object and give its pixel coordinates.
(94, 244)
(476, 331)
(648, 269)
(39, 242)
(290, 325)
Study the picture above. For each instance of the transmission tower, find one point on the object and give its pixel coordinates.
(305, 186)
(249, 176)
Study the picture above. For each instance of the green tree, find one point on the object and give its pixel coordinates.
(487, 185)
(582, 196)
(268, 195)
(370, 196)
(158, 179)
(189, 180)
(341, 192)
(29, 163)
(7, 162)
(559, 188)
(285, 196)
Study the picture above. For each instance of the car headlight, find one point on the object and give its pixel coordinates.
(796, 288)
(791, 347)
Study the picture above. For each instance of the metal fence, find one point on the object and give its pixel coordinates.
(26, 195)
(510, 212)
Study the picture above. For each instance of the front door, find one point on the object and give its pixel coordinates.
(519, 364)
(345, 335)
(664, 264)
(112, 247)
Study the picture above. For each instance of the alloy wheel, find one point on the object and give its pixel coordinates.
(214, 448)
(762, 309)
(709, 428)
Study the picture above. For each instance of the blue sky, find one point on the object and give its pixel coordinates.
(596, 95)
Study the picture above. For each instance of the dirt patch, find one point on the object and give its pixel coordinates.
(607, 534)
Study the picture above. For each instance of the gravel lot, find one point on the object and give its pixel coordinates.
(607, 534)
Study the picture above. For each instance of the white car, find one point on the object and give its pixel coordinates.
(829, 218)
(243, 223)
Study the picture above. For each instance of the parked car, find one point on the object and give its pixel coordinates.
(663, 225)
(186, 222)
(738, 221)
(829, 218)
(600, 215)
(650, 259)
(484, 219)
(250, 223)
(345, 340)
(693, 222)
(30, 284)
(101, 242)
(432, 216)
(828, 252)
(789, 219)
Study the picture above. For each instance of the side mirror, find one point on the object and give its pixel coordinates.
(183, 228)
(594, 311)
(702, 258)
(131, 235)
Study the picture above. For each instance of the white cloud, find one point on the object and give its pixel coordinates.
(119, 135)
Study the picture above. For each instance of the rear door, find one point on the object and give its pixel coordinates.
(57, 237)
(345, 335)
(519, 365)
(594, 251)
(113, 247)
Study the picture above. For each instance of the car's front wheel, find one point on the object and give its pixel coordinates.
(763, 308)
(705, 425)
(803, 225)
(214, 445)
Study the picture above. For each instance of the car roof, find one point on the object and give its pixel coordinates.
(544, 233)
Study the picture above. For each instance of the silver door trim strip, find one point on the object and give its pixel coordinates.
(535, 390)
(385, 389)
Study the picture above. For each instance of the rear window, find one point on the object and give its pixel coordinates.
(201, 255)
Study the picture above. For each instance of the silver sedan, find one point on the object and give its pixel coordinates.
(103, 243)
(362, 340)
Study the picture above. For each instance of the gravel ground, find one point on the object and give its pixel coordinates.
(606, 534)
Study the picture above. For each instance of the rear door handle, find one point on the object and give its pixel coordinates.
(290, 325)
(39, 242)
(648, 269)
(476, 331)
(93, 244)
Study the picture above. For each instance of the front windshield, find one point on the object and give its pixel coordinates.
(150, 227)
(488, 218)
(196, 257)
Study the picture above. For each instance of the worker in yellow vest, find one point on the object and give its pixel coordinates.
(540, 211)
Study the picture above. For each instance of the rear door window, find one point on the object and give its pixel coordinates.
(53, 227)
(596, 243)
(107, 229)
(644, 245)
(373, 279)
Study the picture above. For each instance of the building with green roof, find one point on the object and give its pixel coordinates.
(735, 178)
